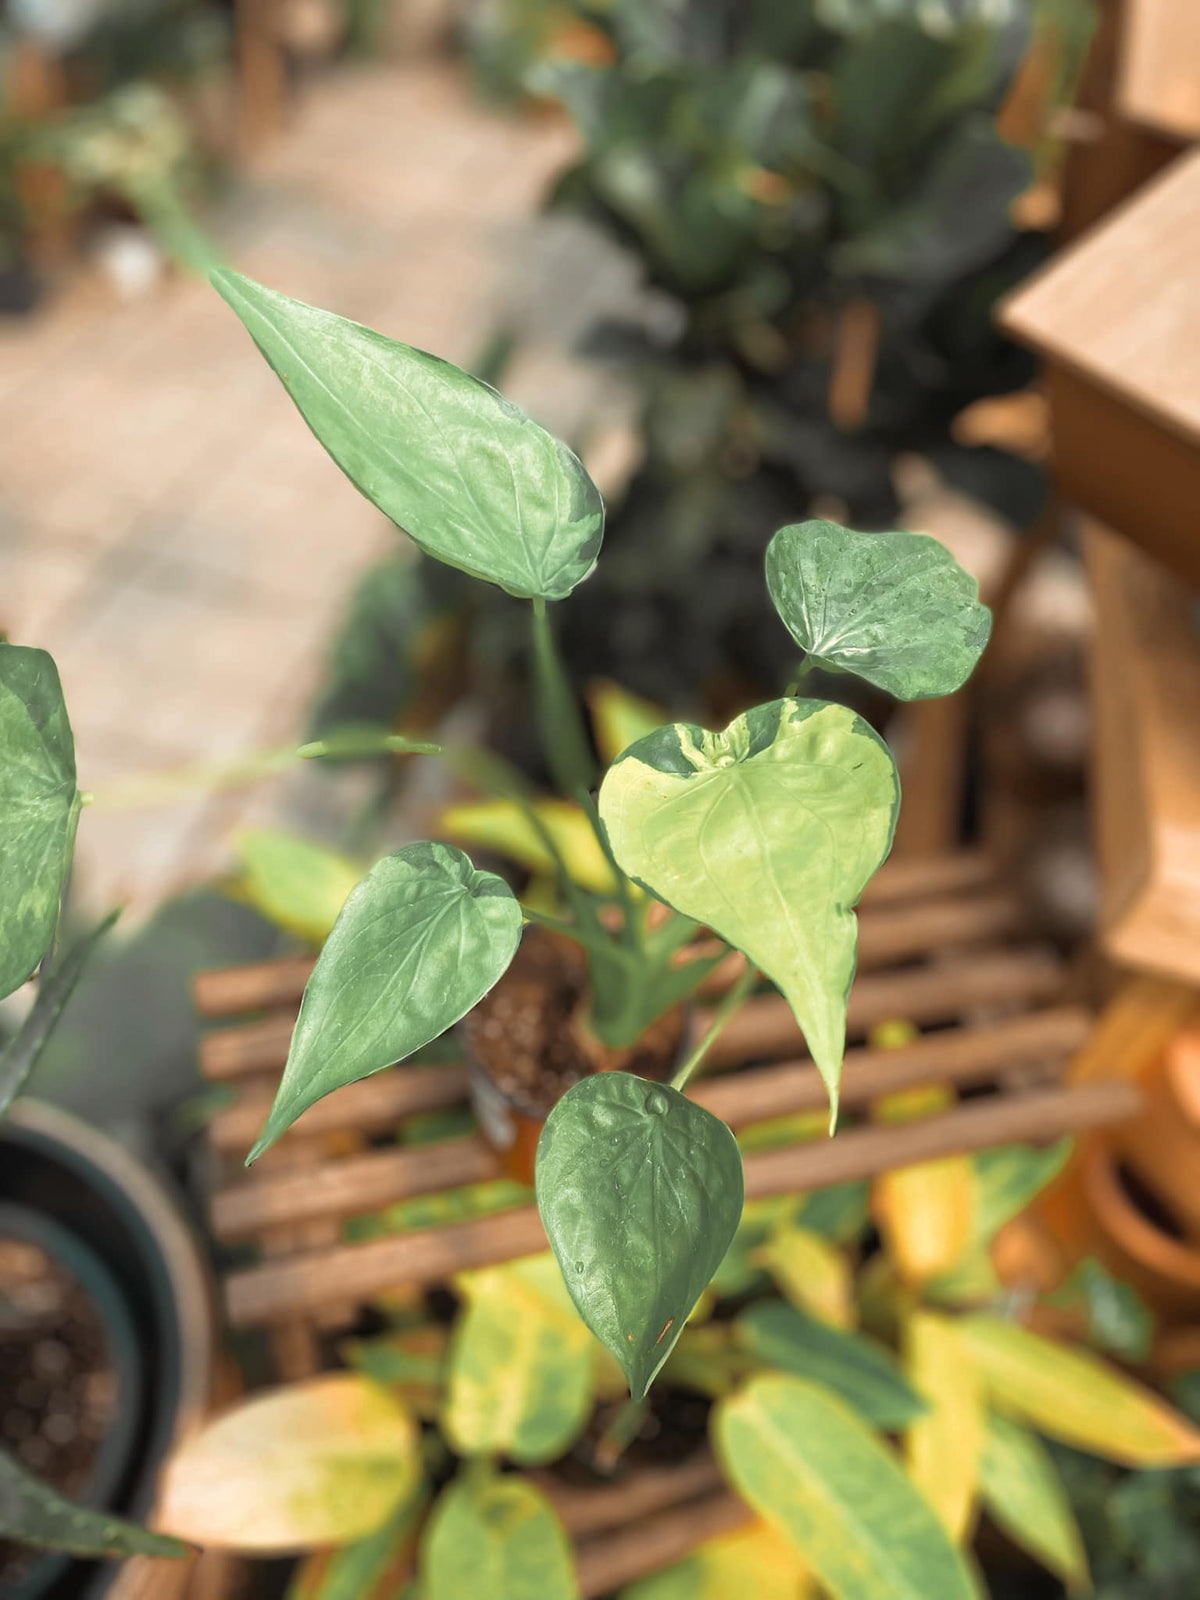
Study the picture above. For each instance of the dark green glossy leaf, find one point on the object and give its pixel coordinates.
(767, 833)
(496, 1536)
(640, 1192)
(21, 1055)
(893, 608)
(815, 1470)
(38, 808)
(854, 1367)
(468, 476)
(421, 939)
(33, 1514)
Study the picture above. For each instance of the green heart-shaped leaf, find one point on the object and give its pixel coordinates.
(814, 1469)
(420, 940)
(853, 1366)
(468, 476)
(496, 1536)
(38, 807)
(768, 833)
(894, 608)
(640, 1192)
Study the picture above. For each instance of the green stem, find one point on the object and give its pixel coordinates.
(564, 737)
(805, 670)
(620, 1434)
(729, 1006)
(155, 788)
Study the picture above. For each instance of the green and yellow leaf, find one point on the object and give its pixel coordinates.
(496, 1536)
(326, 1461)
(296, 884)
(1074, 1396)
(1025, 1497)
(793, 806)
(756, 1561)
(943, 1448)
(505, 828)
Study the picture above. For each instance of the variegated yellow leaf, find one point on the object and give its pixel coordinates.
(505, 828)
(1074, 1396)
(943, 1448)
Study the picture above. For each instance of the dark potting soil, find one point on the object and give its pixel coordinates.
(526, 1033)
(58, 1389)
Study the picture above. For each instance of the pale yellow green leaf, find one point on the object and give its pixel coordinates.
(505, 828)
(756, 1561)
(298, 885)
(924, 1212)
(522, 1372)
(1074, 1396)
(321, 1462)
(1025, 1497)
(811, 1272)
(943, 1447)
(794, 803)
(818, 1473)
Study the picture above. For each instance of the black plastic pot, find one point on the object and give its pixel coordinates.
(113, 1226)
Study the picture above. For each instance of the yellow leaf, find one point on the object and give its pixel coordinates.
(297, 884)
(943, 1448)
(924, 1212)
(811, 1272)
(1074, 1396)
(504, 827)
(756, 1560)
(320, 1462)
(619, 718)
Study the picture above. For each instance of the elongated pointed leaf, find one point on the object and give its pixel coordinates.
(326, 1461)
(21, 1054)
(496, 1537)
(373, 1568)
(619, 717)
(511, 831)
(807, 1464)
(38, 807)
(32, 1513)
(944, 1446)
(1006, 1180)
(768, 832)
(640, 1192)
(811, 1272)
(468, 476)
(420, 940)
(851, 1365)
(1074, 1396)
(522, 1365)
(893, 608)
(1025, 1496)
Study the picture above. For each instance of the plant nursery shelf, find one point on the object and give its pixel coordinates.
(943, 947)
(995, 1003)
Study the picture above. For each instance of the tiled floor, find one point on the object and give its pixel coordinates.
(168, 528)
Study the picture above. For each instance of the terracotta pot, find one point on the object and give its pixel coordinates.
(90, 1190)
(1162, 1145)
(1163, 1268)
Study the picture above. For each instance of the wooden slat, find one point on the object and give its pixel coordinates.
(946, 992)
(587, 1512)
(764, 1028)
(357, 1273)
(270, 985)
(365, 1183)
(608, 1563)
(377, 1102)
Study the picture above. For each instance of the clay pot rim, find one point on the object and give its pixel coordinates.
(1143, 1242)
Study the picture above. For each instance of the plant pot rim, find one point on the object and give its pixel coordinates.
(181, 1300)
(1143, 1242)
(67, 1250)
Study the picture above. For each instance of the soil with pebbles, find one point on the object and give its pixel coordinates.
(527, 1036)
(58, 1390)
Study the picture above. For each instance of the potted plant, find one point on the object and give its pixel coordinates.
(103, 1297)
